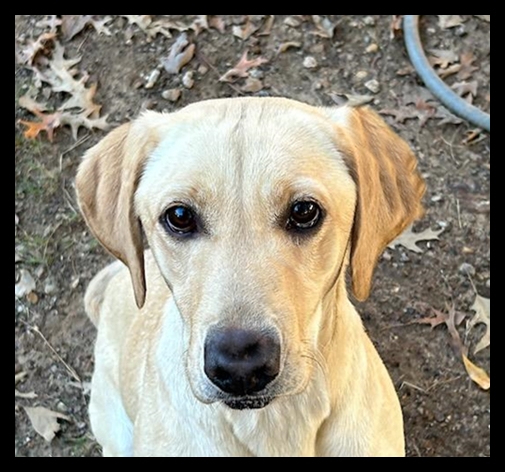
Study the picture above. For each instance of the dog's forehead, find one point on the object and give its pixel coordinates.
(221, 145)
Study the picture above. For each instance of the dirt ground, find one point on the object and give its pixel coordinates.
(446, 414)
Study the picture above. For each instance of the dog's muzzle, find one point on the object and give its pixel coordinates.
(241, 363)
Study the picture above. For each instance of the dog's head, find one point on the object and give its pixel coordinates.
(252, 208)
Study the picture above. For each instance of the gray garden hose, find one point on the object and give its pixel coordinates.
(437, 86)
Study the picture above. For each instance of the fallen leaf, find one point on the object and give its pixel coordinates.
(26, 395)
(266, 28)
(84, 119)
(51, 21)
(246, 31)
(467, 68)
(446, 117)
(451, 70)
(482, 308)
(252, 85)
(73, 24)
(400, 114)
(325, 28)
(351, 100)
(396, 28)
(100, 25)
(241, 70)
(467, 90)
(28, 103)
(78, 109)
(451, 319)
(142, 21)
(425, 111)
(201, 23)
(25, 285)
(217, 23)
(48, 123)
(484, 17)
(287, 45)
(179, 55)
(293, 21)
(477, 374)
(440, 316)
(450, 21)
(44, 421)
(442, 57)
(409, 239)
(19, 376)
(27, 55)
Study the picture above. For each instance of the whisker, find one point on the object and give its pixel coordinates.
(314, 355)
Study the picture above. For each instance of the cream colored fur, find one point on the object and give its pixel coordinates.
(240, 163)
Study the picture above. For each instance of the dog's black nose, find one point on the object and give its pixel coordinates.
(241, 362)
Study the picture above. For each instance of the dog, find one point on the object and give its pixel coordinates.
(234, 334)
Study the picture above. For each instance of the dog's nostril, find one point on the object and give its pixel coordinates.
(241, 362)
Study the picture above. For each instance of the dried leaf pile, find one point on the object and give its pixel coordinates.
(452, 318)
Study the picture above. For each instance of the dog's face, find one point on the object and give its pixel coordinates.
(252, 208)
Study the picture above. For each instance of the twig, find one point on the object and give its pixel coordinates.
(411, 385)
(72, 372)
(49, 236)
(69, 200)
(458, 209)
(451, 146)
(71, 148)
(442, 382)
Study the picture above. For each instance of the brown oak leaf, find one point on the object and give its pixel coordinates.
(241, 70)
(27, 55)
(467, 68)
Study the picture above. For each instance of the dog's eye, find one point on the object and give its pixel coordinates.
(180, 219)
(304, 215)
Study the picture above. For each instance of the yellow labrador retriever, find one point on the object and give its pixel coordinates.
(235, 335)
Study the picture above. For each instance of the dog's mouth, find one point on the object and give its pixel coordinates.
(247, 403)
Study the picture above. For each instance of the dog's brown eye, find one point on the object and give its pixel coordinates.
(180, 220)
(304, 215)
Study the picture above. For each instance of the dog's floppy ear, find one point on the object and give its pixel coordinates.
(106, 182)
(389, 185)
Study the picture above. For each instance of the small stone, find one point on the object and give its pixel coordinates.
(467, 269)
(187, 80)
(373, 85)
(172, 95)
(33, 298)
(202, 69)
(256, 73)
(25, 285)
(152, 78)
(369, 20)
(310, 62)
(293, 21)
(50, 286)
(436, 198)
(372, 48)
(361, 74)
(252, 85)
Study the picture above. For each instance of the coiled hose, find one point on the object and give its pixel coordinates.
(437, 86)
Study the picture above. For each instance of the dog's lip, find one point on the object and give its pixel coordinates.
(247, 403)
